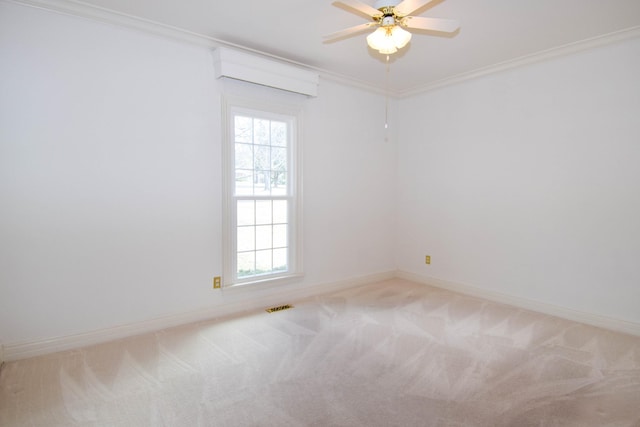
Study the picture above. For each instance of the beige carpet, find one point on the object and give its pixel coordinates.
(389, 354)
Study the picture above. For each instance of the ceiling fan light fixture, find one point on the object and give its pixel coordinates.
(388, 40)
(376, 39)
(400, 36)
(392, 19)
(388, 50)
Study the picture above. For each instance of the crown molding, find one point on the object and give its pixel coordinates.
(96, 13)
(541, 56)
(356, 83)
(108, 16)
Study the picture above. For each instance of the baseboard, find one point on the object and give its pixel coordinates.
(540, 307)
(23, 350)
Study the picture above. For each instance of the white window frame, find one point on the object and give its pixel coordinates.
(233, 105)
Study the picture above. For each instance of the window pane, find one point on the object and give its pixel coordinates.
(243, 129)
(245, 215)
(263, 237)
(244, 156)
(278, 133)
(279, 183)
(280, 260)
(262, 132)
(280, 236)
(244, 182)
(246, 264)
(263, 261)
(262, 183)
(263, 212)
(280, 212)
(246, 238)
(262, 158)
(278, 159)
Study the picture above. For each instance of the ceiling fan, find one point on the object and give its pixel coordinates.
(390, 18)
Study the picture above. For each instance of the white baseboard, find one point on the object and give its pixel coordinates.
(23, 350)
(540, 307)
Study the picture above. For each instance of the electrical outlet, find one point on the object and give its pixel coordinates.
(427, 259)
(217, 282)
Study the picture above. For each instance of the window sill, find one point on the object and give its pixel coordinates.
(267, 283)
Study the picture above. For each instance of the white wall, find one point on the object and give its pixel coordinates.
(110, 181)
(349, 216)
(524, 182)
(527, 182)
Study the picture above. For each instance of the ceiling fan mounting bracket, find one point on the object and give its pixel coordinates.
(385, 4)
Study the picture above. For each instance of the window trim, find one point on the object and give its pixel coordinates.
(231, 104)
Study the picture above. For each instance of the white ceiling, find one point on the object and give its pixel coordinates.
(492, 32)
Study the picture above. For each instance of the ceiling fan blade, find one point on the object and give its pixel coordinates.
(407, 6)
(349, 31)
(360, 7)
(432, 24)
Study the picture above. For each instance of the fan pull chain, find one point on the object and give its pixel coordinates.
(386, 97)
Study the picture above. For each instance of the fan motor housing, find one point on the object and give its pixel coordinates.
(388, 21)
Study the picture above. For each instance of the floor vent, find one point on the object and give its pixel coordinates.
(279, 308)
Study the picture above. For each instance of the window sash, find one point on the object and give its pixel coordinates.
(289, 244)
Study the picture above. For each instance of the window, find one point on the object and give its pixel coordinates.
(262, 180)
